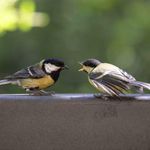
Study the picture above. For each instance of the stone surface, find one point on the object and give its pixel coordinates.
(74, 122)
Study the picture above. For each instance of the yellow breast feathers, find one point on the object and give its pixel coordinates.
(41, 83)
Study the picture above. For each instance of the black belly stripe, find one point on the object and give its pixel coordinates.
(55, 75)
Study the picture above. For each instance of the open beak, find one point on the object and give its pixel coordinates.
(82, 67)
(80, 63)
(66, 67)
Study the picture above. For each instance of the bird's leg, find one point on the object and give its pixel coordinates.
(33, 92)
(47, 93)
(37, 92)
(102, 96)
(107, 97)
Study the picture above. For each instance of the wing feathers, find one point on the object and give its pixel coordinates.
(3, 82)
(30, 72)
(114, 82)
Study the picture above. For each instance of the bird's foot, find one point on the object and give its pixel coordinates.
(41, 93)
(50, 93)
(102, 96)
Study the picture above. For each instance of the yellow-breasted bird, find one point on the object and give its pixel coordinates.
(109, 79)
(37, 77)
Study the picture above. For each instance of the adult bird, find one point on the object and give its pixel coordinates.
(37, 77)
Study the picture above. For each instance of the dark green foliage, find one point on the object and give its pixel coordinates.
(110, 30)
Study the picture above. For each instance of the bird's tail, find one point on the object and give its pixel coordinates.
(3, 82)
(140, 85)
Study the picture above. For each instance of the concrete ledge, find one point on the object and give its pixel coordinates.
(74, 122)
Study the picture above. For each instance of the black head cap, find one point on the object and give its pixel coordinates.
(54, 61)
(91, 62)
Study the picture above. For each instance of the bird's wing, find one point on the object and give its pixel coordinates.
(30, 72)
(123, 75)
(113, 81)
(105, 88)
(112, 70)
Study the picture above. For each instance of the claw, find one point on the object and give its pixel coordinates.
(40, 93)
(102, 96)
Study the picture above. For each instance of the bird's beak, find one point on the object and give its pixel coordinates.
(81, 65)
(81, 69)
(66, 67)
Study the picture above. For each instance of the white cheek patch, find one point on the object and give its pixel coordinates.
(49, 68)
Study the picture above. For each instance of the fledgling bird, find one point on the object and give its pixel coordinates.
(37, 77)
(109, 79)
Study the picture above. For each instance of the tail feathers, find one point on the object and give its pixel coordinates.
(3, 82)
(140, 84)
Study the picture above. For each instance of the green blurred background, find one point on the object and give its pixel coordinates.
(110, 30)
